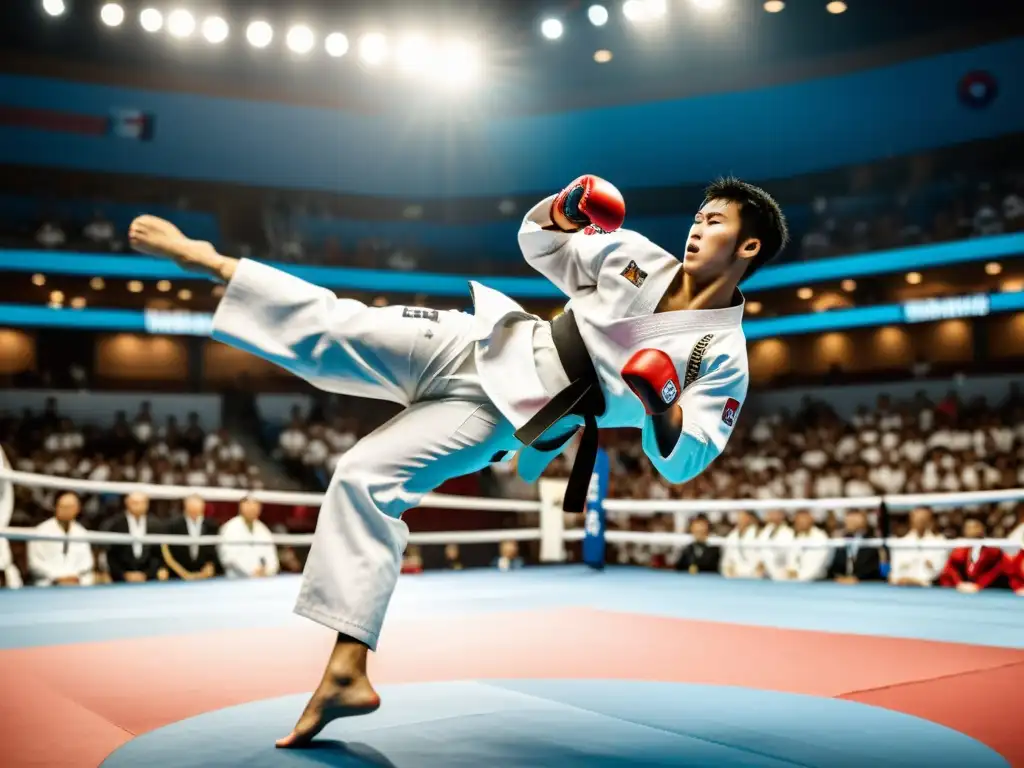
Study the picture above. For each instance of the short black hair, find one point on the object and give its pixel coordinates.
(761, 217)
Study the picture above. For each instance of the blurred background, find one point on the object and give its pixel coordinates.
(389, 150)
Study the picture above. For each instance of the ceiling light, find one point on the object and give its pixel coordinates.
(804, 293)
(552, 29)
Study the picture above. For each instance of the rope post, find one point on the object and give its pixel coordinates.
(594, 522)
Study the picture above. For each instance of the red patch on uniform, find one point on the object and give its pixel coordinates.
(729, 413)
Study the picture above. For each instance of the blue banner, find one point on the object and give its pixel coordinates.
(920, 257)
(177, 323)
(594, 520)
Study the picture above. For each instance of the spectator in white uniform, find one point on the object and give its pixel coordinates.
(775, 531)
(740, 554)
(921, 566)
(61, 563)
(248, 550)
(810, 563)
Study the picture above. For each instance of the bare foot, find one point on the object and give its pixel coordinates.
(158, 237)
(334, 699)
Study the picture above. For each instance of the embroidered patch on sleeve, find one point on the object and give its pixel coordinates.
(731, 410)
(634, 274)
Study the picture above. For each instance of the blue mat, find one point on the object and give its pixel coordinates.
(564, 724)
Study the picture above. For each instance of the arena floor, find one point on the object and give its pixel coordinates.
(542, 667)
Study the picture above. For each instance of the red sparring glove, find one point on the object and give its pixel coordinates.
(590, 201)
(652, 376)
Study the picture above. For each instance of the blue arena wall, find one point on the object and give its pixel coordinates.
(824, 270)
(760, 134)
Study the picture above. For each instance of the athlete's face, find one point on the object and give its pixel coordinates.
(713, 244)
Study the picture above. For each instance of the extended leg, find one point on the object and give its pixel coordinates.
(355, 560)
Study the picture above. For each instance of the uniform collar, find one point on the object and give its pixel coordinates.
(682, 320)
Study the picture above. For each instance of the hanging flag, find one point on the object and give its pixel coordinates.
(132, 124)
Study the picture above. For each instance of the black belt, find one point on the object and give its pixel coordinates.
(583, 397)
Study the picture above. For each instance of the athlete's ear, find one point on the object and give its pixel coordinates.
(749, 248)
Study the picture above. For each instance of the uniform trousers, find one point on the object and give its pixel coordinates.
(422, 359)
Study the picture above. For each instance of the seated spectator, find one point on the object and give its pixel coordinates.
(191, 562)
(412, 561)
(62, 563)
(10, 576)
(698, 556)
(136, 562)
(452, 559)
(855, 563)
(972, 569)
(1015, 573)
(50, 235)
(740, 555)
(239, 556)
(508, 558)
(918, 567)
(772, 564)
(807, 563)
(99, 232)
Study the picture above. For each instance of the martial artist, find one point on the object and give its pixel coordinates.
(248, 549)
(479, 388)
(63, 563)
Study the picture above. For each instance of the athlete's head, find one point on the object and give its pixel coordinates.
(738, 227)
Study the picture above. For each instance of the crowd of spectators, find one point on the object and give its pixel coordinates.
(129, 450)
(896, 447)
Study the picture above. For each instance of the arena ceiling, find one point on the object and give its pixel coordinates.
(697, 46)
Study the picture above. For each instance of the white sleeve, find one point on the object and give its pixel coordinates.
(281, 318)
(11, 572)
(85, 565)
(273, 564)
(570, 260)
(710, 408)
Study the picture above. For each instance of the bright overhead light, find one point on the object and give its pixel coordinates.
(849, 285)
(836, 7)
(373, 49)
(804, 293)
(184, 294)
(215, 30)
(97, 284)
(458, 64)
(151, 20)
(259, 34)
(135, 286)
(78, 303)
(112, 14)
(300, 39)
(658, 8)
(336, 44)
(754, 307)
(54, 7)
(413, 54)
(914, 278)
(598, 15)
(56, 297)
(993, 268)
(38, 279)
(163, 286)
(181, 23)
(774, 6)
(636, 10)
(602, 56)
(552, 29)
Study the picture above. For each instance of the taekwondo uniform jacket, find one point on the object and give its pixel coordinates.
(242, 560)
(52, 560)
(10, 576)
(614, 283)
(810, 564)
(984, 566)
(773, 559)
(740, 554)
(922, 565)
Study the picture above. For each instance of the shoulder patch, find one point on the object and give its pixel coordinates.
(731, 411)
(696, 358)
(634, 274)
